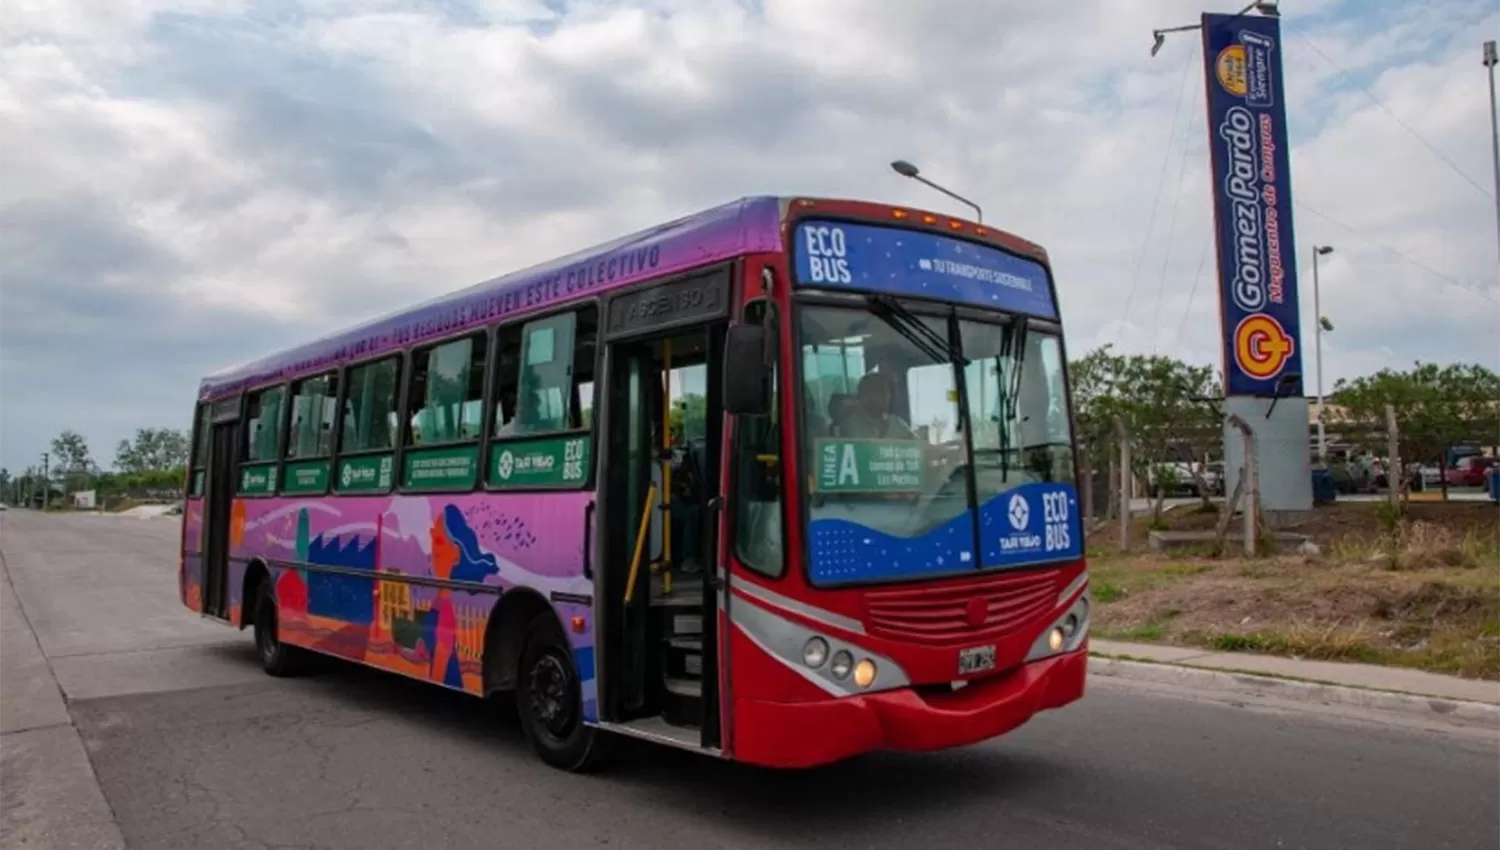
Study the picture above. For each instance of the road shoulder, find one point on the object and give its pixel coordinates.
(49, 796)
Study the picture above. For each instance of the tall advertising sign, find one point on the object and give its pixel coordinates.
(1252, 205)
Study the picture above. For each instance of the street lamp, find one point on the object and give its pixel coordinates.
(906, 169)
(1323, 324)
(1265, 7)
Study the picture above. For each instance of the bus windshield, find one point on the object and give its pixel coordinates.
(896, 488)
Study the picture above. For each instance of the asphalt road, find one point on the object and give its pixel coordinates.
(171, 737)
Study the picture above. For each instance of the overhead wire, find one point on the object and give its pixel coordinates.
(1166, 160)
(1349, 78)
(1193, 292)
(1187, 135)
(1474, 289)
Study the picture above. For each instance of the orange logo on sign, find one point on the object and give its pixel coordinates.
(1261, 346)
(1231, 69)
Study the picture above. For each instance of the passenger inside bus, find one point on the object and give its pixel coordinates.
(870, 415)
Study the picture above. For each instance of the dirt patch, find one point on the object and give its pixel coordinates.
(1424, 594)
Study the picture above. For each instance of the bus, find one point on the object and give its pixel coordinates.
(784, 481)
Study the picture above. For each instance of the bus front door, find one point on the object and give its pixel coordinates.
(660, 497)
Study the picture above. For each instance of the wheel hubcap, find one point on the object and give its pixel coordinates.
(551, 695)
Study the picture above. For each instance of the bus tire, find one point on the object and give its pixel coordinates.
(549, 700)
(277, 658)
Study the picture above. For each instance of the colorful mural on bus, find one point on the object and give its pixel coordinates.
(364, 607)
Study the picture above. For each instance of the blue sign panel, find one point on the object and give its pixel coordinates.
(1252, 205)
(1034, 523)
(872, 258)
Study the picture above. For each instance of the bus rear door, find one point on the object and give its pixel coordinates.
(219, 505)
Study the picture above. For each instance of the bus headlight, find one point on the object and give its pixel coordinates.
(864, 673)
(815, 652)
(1069, 626)
(843, 662)
(1055, 639)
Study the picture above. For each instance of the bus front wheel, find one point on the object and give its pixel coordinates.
(549, 700)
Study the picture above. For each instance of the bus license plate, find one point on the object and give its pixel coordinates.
(976, 659)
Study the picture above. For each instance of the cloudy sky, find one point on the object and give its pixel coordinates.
(188, 184)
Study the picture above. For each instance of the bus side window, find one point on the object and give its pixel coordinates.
(447, 392)
(546, 374)
(263, 436)
(370, 408)
(313, 406)
(757, 474)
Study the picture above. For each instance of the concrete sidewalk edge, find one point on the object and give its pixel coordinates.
(1166, 672)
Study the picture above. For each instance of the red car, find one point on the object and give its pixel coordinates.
(1470, 472)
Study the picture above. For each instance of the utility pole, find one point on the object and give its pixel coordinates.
(1319, 250)
(1489, 62)
(46, 482)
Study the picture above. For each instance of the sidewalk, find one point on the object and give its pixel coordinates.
(1438, 693)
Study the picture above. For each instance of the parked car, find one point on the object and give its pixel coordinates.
(1470, 471)
(1179, 479)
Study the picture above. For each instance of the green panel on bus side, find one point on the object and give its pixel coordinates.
(306, 477)
(258, 479)
(546, 462)
(441, 468)
(868, 466)
(369, 474)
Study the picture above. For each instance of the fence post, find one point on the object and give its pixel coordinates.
(1112, 487)
(1088, 488)
(1252, 484)
(1126, 480)
(1394, 474)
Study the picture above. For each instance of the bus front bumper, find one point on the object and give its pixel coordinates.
(806, 734)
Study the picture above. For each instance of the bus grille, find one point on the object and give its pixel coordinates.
(942, 614)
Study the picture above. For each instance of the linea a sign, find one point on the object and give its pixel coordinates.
(1252, 205)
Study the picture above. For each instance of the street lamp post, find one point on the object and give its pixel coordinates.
(1265, 7)
(1318, 251)
(1489, 62)
(906, 169)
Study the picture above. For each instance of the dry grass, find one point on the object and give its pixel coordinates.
(1421, 593)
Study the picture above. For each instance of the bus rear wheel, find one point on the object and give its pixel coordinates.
(549, 700)
(277, 658)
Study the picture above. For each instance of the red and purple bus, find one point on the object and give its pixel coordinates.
(785, 481)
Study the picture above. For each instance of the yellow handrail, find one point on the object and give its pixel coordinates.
(640, 543)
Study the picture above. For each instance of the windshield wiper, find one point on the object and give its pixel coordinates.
(941, 349)
(1011, 348)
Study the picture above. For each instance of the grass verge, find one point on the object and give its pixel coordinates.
(1421, 593)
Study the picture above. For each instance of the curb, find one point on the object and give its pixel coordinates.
(1447, 710)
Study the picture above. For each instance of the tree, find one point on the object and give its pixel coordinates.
(71, 458)
(1168, 407)
(153, 450)
(1436, 406)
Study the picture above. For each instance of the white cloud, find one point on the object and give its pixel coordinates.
(191, 184)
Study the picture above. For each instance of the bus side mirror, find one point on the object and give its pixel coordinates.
(747, 381)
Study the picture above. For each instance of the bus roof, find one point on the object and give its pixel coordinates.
(748, 225)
